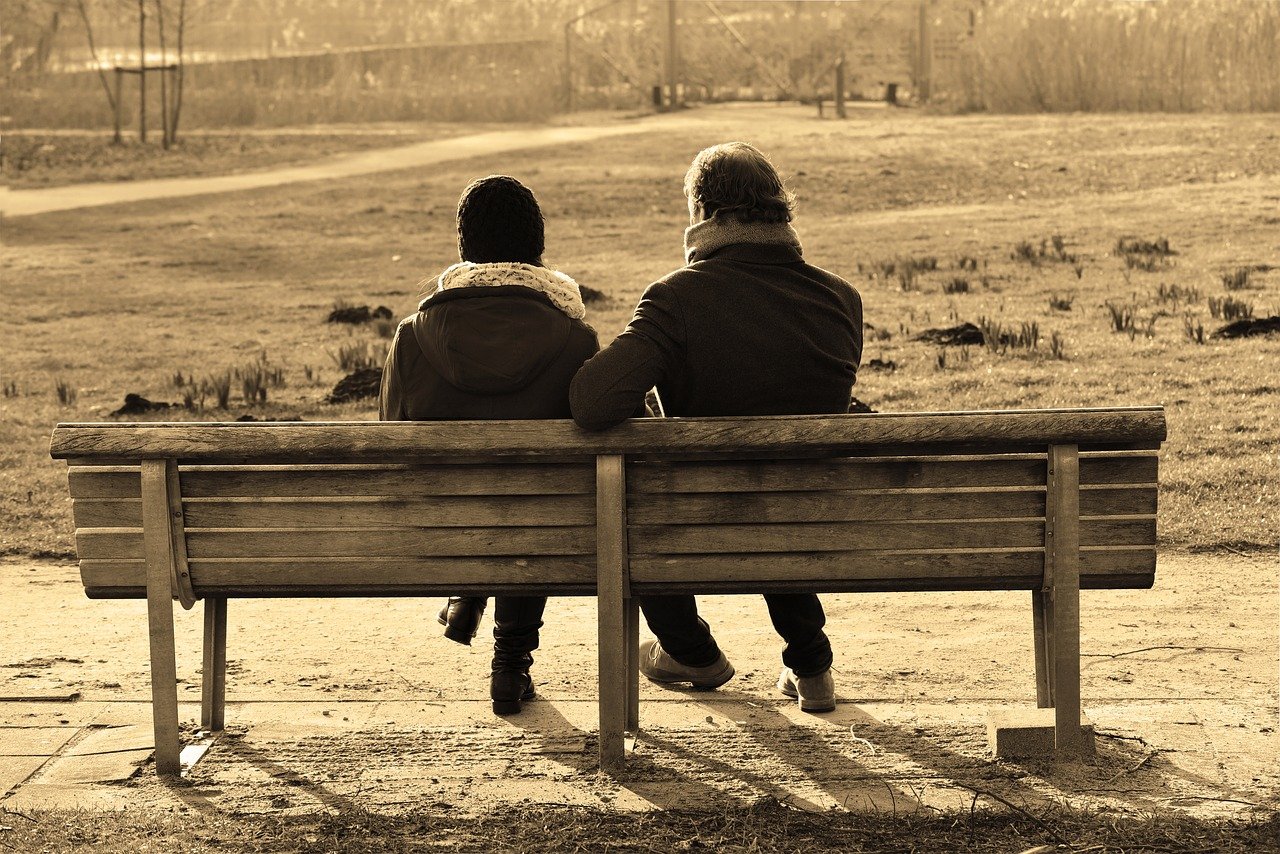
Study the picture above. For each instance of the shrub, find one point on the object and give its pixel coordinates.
(1123, 316)
(956, 285)
(1177, 294)
(1057, 303)
(1057, 346)
(998, 338)
(1230, 308)
(359, 356)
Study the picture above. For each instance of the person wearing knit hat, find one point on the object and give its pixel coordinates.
(747, 327)
(498, 335)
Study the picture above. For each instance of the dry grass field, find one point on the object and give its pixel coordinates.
(1048, 231)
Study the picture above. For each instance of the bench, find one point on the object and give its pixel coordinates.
(1049, 501)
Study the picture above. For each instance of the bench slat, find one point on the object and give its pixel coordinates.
(861, 536)
(887, 570)
(123, 543)
(831, 506)
(378, 512)
(876, 473)
(403, 481)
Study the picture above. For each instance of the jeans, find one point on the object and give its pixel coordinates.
(516, 621)
(686, 637)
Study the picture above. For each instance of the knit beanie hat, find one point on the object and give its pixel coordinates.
(499, 220)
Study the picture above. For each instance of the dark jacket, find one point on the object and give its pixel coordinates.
(750, 330)
(484, 353)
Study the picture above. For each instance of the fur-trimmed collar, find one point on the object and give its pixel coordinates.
(703, 238)
(554, 285)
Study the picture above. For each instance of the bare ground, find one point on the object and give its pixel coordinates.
(361, 705)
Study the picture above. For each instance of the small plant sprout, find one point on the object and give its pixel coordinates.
(1060, 303)
(967, 263)
(1078, 269)
(357, 356)
(11, 388)
(67, 393)
(218, 385)
(1237, 279)
(940, 359)
(1193, 329)
(1230, 308)
(1123, 316)
(1057, 346)
(956, 285)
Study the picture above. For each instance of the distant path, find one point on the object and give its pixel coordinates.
(15, 203)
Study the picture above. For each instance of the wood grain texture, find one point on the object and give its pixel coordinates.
(613, 604)
(374, 440)
(831, 506)
(833, 474)
(213, 676)
(1100, 568)
(1062, 565)
(159, 559)
(376, 512)
(177, 534)
(391, 481)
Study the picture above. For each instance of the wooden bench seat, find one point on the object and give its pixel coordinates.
(1049, 501)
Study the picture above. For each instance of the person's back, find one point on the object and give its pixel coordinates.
(500, 337)
(747, 328)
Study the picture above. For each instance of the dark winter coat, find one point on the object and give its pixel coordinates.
(750, 330)
(480, 353)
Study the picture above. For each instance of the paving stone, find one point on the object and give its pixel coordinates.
(114, 740)
(59, 796)
(99, 768)
(34, 740)
(15, 769)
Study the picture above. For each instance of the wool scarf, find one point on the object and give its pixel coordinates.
(703, 238)
(563, 291)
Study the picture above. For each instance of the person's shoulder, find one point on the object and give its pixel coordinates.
(833, 281)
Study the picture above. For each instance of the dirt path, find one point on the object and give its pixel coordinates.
(15, 203)
(360, 702)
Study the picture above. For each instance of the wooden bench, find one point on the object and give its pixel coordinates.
(1048, 501)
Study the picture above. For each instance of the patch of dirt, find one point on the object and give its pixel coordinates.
(357, 385)
(952, 336)
(136, 404)
(356, 314)
(1250, 327)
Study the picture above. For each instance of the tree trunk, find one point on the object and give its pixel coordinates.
(177, 85)
(164, 84)
(142, 70)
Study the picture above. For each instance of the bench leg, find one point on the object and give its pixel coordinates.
(614, 667)
(1042, 619)
(1062, 554)
(158, 547)
(632, 607)
(213, 695)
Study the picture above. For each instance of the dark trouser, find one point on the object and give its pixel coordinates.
(516, 620)
(797, 617)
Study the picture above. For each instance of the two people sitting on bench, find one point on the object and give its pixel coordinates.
(747, 327)
(500, 336)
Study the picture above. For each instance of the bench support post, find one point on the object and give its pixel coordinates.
(1062, 576)
(161, 570)
(613, 600)
(1042, 619)
(213, 684)
(633, 665)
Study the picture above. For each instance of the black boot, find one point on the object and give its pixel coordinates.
(461, 617)
(516, 621)
(509, 688)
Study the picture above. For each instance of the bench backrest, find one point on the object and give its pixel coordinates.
(941, 501)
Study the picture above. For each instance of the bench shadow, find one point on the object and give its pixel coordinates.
(816, 757)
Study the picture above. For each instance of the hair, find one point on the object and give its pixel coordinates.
(735, 179)
(499, 220)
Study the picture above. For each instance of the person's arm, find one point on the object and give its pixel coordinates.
(611, 386)
(391, 397)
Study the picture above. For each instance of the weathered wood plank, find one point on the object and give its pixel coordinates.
(831, 506)
(371, 440)
(463, 511)
(1062, 565)
(832, 536)
(105, 482)
(1100, 568)
(177, 534)
(613, 592)
(122, 543)
(838, 473)
(160, 569)
(213, 676)
(384, 513)
(400, 481)
(1135, 469)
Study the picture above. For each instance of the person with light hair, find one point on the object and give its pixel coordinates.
(746, 327)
